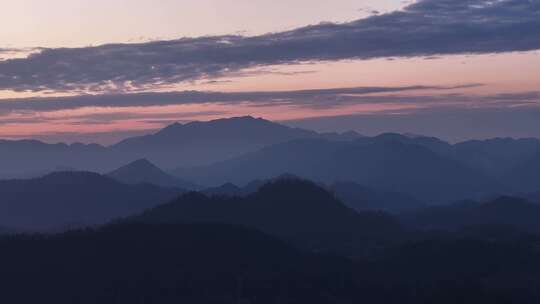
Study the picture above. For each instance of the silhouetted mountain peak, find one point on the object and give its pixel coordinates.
(140, 166)
(295, 209)
(143, 171)
(242, 119)
(143, 163)
(171, 127)
(204, 142)
(302, 192)
(222, 122)
(286, 184)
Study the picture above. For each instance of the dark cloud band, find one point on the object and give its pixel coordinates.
(425, 28)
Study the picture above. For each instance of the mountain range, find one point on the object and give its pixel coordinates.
(281, 240)
(355, 196)
(510, 212)
(64, 200)
(189, 144)
(380, 162)
(296, 210)
(239, 150)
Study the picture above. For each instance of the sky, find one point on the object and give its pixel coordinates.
(99, 71)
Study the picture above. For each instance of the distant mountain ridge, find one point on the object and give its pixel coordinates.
(63, 200)
(500, 165)
(20, 158)
(205, 142)
(382, 162)
(176, 145)
(142, 171)
(526, 175)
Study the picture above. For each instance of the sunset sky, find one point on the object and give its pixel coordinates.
(102, 70)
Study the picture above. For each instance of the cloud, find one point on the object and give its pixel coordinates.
(8, 50)
(155, 118)
(10, 53)
(424, 28)
(306, 98)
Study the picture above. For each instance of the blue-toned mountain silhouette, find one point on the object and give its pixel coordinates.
(242, 149)
(205, 142)
(143, 171)
(381, 162)
(64, 200)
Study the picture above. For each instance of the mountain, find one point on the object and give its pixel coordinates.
(494, 157)
(432, 143)
(526, 176)
(215, 263)
(379, 162)
(230, 189)
(503, 211)
(163, 264)
(293, 209)
(508, 163)
(497, 156)
(349, 135)
(198, 143)
(177, 144)
(143, 171)
(32, 158)
(353, 195)
(72, 199)
(362, 198)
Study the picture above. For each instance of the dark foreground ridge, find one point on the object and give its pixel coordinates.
(213, 263)
(290, 241)
(295, 210)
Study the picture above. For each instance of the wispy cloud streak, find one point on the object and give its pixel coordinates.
(302, 98)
